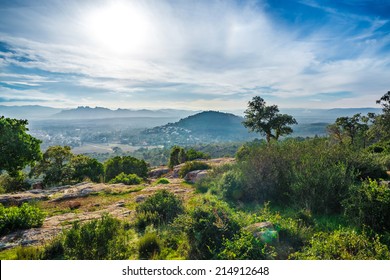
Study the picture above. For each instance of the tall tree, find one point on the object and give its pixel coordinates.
(17, 148)
(267, 120)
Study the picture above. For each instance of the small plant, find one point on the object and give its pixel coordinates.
(191, 166)
(343, 245)
(245, 246)
(369, 204)
(23, 217)
(127, 179)
(162, 181)
(96, 240)
(148, 246)
(160, 208)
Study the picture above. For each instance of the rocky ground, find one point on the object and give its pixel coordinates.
(87, 201)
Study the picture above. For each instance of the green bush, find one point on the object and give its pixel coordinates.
(127, 179)
(162, 181)
(209, 223)
(192, 154)
(23, 217)
(160, 208)
(369, 205)
(231, 185)
(343, 245)
(96, 240)
(191, 166)
(29, 253)
(148, 246)
(14, 183)
(244, 246)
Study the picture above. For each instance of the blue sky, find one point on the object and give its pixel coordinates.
(194, 54)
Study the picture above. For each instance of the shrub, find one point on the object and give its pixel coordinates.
(162, 181)
(13, 183)
(192, 154)
(23, 217)
(160, 208)
(148, 246)
(231, 185)
(369, 204)
(343, 245)
(29, 253)
(244, 246)
(127, 179)
(96, 240)
(191, 166)
(207, 226)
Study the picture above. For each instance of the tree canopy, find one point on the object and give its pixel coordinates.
(17, 148)
(267, 120)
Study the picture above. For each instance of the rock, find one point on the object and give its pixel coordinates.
(120, 204)
(196, 175)
(158, 172)
(74, 205)
(140, 198)
(19, 198)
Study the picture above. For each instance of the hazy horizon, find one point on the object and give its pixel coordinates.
(194, 55)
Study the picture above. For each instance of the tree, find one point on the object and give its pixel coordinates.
(267, 120)
(176, 156)
(350, 129)
(381, 123)
(85, 167)
(126, 164)
(54, 165)
(17, 148)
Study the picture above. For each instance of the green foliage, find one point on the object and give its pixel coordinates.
(267, 120)
(126, 164)
(127, 179)
(245, 246)
(231, 185)
(343, 245)
(208, 224)
(54, 165)
(149, 246)
(368, 204)
(29, 253)
(96, 240)
(17, 182)
(85, 167)
(17, 148)
(191, 166)
(176, 156)
(160, 208)
(23, 217)
(162, 181)
(192, 154)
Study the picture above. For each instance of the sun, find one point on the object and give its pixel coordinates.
(119, 27)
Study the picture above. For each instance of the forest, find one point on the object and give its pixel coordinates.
(314, 198)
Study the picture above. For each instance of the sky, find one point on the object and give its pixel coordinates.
(197, 55)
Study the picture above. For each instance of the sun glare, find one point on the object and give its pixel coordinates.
(119, 27)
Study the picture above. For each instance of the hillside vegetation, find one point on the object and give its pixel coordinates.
(315, 198)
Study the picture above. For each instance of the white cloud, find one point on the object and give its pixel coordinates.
(220, 49)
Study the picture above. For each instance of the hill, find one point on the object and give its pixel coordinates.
(28, 112)
(204, 127)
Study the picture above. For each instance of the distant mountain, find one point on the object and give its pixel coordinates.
(28, 112)
(105, 113)
(204, 127)
(325, 115)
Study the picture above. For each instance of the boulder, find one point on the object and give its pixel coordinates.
(196, 175)
(158, 172)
